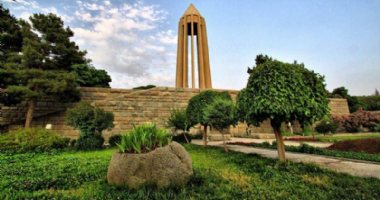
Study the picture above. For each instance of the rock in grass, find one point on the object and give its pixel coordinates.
(163, 167)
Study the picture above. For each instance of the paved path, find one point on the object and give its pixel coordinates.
(353, 167)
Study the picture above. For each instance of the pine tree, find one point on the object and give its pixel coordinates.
(34, 73)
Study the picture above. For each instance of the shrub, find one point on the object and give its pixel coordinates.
(326, 126)
(143, 138)
(377, 127)
(359, 120)
(181, 138)
(370, 102)
(144, 87)
(113, 140)
(90, 121)
(89, 142)
(179, 120)
(36, 139)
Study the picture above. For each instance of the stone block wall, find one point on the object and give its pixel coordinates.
(130, 107)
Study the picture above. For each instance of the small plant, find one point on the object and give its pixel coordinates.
(90, 121)
(143, 138)
(179, 121)
(326, 126)
(220, 115)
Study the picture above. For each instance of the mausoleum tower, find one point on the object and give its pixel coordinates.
(192, 29)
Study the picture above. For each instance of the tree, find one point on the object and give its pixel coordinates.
(42, 68)
(10, 35)
(197, 104)
(179, 121)
(220, 115)
(282, 92)
(88, 76)
(376, 92)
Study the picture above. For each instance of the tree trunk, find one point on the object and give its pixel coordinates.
(224, 141)
(205, 136)
(280, 141)
(29, 113)
(184, 134)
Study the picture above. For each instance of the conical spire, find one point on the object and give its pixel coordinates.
(192, 10)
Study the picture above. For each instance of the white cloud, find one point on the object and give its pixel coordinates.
(125, 39)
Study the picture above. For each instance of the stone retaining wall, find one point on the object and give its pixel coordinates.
(130, 107)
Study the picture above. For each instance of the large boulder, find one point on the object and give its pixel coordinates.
(165, 166)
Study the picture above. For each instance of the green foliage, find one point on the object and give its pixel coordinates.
(178, 120)
(370, 103)
(144, 87)
(90, 121)
(326, 126)
(377, 127)
(10, 35)
(40, 67)
(282, 92)
(197, 104)
(89, 142)
(88, 76)
(81, 175)
(114, 140)
(220, 114)
(36, 139)
(143, 138)
(180, 138)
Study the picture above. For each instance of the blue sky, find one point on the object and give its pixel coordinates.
(135, 41)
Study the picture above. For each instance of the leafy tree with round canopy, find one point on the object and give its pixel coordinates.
(197, 104)
(282, 92)
(220, 114)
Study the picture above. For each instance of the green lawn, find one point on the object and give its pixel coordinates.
(218, 175)
(343, 137)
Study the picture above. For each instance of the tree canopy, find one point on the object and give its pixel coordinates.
(197, 104)
(39, 60)
(282, 92)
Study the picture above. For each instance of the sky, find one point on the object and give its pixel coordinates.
(136, 41)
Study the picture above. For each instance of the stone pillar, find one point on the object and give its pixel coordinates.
(193, 19)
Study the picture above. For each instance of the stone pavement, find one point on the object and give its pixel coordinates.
(352, 167)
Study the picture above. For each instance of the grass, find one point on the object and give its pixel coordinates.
(343, 137)
(218, 175)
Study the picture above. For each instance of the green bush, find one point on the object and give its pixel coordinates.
(197, 104)
(146, 87)
(370, 102)
(220, 113)
(113, 140)
(326, 126)
(180, 138)
(143, 138)
(36, 139)
(89, 142)
(179, 120)
(90, 121)
(377, 127)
